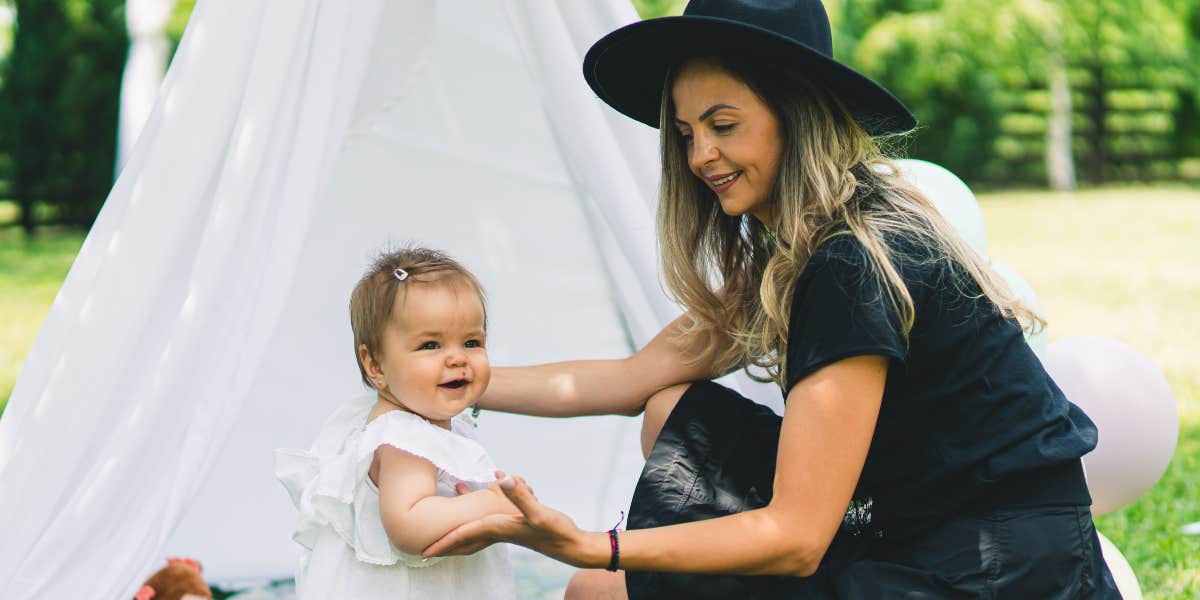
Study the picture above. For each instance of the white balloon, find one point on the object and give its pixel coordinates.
(1133, 408)
(1122, 573)
(952, 198)
(1038, 338)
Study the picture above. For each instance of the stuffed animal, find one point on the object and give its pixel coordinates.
(179, 580)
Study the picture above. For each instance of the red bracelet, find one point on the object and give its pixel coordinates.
(616, 549)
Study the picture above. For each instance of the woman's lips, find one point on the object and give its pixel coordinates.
(724, 183)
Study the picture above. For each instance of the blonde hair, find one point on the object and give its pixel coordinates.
(833, 180)
(375, 294)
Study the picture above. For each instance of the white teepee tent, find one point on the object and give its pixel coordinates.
(204, 320)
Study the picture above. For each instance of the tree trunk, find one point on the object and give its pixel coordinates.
(1060, 164)
(1096, 115)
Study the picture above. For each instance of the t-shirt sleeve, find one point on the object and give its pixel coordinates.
(840, 309)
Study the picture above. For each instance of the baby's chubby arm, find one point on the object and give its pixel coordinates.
(413, 515)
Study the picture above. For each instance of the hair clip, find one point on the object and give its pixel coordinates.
(400, 274)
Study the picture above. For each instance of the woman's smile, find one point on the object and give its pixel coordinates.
(721, 183)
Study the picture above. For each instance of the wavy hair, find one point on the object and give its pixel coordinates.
(833, 180)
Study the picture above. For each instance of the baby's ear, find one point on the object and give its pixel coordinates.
(368, 361)
(370, 365)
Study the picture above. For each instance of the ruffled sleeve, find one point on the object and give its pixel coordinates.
(451, 452)
(330, 487)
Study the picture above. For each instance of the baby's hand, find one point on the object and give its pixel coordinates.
(494, 488)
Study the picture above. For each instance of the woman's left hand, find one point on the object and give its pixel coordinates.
(538, 527)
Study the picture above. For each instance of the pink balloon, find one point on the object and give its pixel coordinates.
(1133, 408)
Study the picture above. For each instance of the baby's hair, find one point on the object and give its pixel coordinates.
(373, 297)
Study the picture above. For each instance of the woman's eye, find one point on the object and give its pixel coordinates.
(429, 346)
(686, 136)
(724, 128)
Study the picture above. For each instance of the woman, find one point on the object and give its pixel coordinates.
(911, 397)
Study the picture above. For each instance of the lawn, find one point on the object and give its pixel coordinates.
(1125, 263)
(1118, 262)
(31, 271)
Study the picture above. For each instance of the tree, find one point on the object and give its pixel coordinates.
(58, 107)
(1006, 83)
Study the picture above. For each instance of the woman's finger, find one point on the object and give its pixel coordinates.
(471, 536)
(522, 497)
(462, 488)
(450, 542)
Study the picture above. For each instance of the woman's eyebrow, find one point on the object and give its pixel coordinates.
(708, 113)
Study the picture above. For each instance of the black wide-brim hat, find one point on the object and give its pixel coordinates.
(628, 67)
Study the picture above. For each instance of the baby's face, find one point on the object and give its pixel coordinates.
(434, 360)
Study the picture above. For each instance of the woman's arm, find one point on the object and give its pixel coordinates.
(413, 515)
(594, 387)
(827, 429)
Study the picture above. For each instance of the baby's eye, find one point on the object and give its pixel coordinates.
(474, 344)
(429, 346)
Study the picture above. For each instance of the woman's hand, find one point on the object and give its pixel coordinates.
(537, 527)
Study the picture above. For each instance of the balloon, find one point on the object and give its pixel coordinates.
(952, 198)
(1122, 573)
(1133, 407)
(1038, 338)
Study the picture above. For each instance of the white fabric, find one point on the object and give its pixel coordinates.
(348, 553)
(146, 22)
(204, 320)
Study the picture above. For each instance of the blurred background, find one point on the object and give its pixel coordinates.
(1076, 122)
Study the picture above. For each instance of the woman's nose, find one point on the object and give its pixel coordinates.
(703, 152)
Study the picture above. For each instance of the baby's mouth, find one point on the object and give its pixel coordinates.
(455, 384)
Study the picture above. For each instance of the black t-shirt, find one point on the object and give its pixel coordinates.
(968, 411)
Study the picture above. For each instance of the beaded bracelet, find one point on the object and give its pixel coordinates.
(616, 549)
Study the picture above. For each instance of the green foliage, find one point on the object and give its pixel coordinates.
(650, 9)
(178, 21)
(58, 107)
(976, 75)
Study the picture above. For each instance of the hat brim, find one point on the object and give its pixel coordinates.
(628, 67)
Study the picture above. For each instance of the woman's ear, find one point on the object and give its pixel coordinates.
(371, 366)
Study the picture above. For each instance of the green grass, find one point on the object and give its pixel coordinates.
(1125, 263)
(31, 271)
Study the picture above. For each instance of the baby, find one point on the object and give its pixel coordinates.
(383, 480)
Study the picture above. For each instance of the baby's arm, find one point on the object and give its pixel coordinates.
(413, 515)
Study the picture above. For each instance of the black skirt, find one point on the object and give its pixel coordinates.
(716, 456)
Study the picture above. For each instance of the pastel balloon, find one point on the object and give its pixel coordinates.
(1133, 408)
(1038, 338)
(952, 198)
(1122, 573)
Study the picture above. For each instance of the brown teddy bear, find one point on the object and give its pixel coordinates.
(179, 580)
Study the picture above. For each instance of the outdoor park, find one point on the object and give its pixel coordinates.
(1076, 123)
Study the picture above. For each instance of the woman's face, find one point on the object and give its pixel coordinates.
(732, 138)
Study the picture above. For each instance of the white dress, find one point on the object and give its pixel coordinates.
(347, 553)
